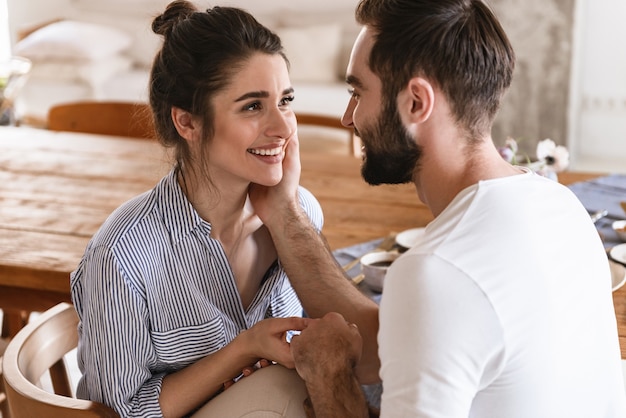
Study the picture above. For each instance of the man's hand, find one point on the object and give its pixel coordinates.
(327, 347)
(325, 353)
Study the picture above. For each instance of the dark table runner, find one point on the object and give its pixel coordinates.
(604, 193)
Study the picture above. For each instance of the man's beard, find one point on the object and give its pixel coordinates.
(391, 154)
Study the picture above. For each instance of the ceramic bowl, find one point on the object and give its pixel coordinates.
(618, 274)
(374, 268)
(620, 229)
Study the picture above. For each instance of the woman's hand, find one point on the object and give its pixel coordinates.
(248, 370)
(267, 339)
(269, 202)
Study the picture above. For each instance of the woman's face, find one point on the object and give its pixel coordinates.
(253, 124)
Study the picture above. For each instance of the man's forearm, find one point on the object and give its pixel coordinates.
(322, 285)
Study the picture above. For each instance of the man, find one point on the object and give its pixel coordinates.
(505, 309)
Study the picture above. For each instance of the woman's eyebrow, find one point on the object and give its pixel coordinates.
(253, 95)
(262, 94)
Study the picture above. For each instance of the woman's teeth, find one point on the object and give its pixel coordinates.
(273, 151)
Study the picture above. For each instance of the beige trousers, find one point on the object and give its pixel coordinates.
(270, 392)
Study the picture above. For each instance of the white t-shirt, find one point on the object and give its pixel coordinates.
(504, 310)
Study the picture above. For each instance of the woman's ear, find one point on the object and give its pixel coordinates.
(185, 124)
(417, 101)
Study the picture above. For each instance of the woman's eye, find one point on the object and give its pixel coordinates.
(252, 106)
(286, 100)
(353, 93)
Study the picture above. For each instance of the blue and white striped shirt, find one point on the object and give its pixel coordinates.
(155, 293)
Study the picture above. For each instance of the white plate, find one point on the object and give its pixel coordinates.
(618, 253)
(618, 275)
(410, 237)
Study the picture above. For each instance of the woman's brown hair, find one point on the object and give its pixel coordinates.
(201, 51)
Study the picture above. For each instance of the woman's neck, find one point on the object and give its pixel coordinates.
(226, 208)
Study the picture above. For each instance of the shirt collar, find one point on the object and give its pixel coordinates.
(179, 216)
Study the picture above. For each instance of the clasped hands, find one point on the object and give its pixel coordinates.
(324, 347)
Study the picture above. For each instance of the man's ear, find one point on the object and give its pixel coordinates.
(417, 101)
(185, 124)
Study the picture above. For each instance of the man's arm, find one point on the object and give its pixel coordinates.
(317, 278)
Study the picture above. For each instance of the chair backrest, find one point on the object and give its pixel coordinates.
(325, 121)
(39, 347)
(102, 117)
(4, 404)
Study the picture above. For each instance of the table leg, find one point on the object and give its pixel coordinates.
(4, 404)
(12, 322)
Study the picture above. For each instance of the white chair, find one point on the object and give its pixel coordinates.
(624, 372)
(38, 348)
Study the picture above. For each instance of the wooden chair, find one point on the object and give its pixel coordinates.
(40, 347)
(104, 118)
(4, 404)
(325, 121)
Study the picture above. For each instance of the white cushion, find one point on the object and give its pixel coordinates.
(320, 98)
(129, 86)
(145, 46)
(312, 51)
(67, 39)
(92, 72)
(39, 95)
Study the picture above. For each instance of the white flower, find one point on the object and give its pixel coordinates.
(550, 157)
(509, 150)
(554, 158)
(512, 144)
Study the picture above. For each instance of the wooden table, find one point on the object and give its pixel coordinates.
(56, 189)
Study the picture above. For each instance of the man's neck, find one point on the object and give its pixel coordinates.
(442, 176)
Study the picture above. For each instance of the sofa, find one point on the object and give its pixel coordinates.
(103, 51)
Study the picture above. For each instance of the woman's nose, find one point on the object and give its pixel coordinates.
(281, 123)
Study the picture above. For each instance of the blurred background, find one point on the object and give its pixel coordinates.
(569, 83)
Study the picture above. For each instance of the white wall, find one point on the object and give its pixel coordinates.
(5, 41)
(598, 118)
(30, 12)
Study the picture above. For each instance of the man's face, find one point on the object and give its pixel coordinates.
(390, 152)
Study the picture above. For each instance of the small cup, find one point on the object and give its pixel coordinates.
(620, 229)
(374, 267)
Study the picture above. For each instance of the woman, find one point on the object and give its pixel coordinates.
(173, 290)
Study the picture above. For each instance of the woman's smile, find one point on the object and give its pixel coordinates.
(266, 151)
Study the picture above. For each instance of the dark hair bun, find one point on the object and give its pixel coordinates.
(176, 12)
